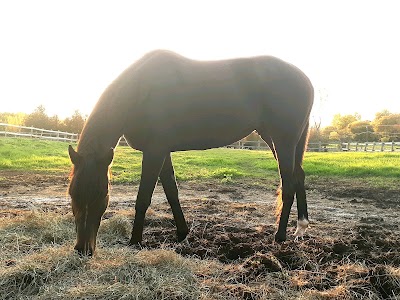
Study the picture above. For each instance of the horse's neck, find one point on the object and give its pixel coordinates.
(105, 125)
(99, 135)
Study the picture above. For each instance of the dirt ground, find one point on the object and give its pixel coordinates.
(353, 237)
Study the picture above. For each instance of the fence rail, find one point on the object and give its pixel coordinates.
(371, 146)
(325, 147)
(8, 130)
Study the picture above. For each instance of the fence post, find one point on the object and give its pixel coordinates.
(365, 148)
(356, 146)
(382, 146)
(392, 146)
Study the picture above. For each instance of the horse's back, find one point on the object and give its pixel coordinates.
(203, 104)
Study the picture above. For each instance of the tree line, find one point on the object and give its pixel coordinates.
(40, 119)
(385, 127)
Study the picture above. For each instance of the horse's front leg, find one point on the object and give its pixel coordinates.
(167, 177)
(151, 167)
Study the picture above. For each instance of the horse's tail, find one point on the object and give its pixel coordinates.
(299, 154)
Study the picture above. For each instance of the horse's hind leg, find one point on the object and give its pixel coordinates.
(302, 212)
(151, 167)
(302, 221)
(167, 177)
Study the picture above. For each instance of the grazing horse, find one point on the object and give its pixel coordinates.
(165, 102)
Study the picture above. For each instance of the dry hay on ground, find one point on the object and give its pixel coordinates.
(351, 250)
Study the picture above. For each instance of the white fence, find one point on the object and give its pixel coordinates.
(250, 145)
(371, 146)
(324, 147)
(8, 130)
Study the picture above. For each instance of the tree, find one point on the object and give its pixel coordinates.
(341, 124)
(387, 126)
(74, 123)
(327, 131)
(54, 123)
(38, 118)
(315, 135)
(334, 136)
(12, 118)
(362, 131)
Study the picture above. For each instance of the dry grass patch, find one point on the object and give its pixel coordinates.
(225, 257)
(31, 231)
(38, 261)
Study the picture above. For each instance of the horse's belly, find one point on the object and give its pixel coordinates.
(196, 119)
(204, 133)
(190, 131)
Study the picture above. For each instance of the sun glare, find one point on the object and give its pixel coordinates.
(63, 55)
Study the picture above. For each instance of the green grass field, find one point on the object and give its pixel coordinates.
(221, 164)
(356, 258)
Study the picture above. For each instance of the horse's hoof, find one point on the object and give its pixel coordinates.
(301, 228)
(84, 252)
(280, 238)
(181, 236)
(81, 254)
(136, 246)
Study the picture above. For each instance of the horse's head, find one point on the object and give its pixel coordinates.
(89, 193)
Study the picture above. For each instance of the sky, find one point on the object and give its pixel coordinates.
(63, 54)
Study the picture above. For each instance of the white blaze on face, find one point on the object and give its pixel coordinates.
(301, 228)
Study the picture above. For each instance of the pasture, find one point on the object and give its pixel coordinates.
(351, 250)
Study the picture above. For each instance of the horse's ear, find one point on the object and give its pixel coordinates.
(74, 156)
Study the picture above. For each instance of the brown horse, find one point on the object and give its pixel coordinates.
(165, 102)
